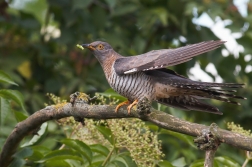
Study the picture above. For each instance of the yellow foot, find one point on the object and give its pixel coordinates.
(131, 105)
(121, 104)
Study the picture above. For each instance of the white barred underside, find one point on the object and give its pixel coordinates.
(133, 86)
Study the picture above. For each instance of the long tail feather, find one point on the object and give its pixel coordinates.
(212, 94)
(188, 103)
(201, 85)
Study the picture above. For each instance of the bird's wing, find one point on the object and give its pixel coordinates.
(162, 58)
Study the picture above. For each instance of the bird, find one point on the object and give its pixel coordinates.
(147, 76)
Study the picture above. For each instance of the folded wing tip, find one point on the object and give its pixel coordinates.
(222, 42)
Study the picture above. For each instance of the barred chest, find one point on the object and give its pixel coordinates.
(133, 86)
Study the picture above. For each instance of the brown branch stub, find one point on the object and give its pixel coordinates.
(143, 107)
(209, 142)
(209, 139)
(84, 110)
(79, 97)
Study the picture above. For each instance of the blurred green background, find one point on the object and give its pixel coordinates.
(38, 50)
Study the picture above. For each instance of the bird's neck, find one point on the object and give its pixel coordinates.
(107, 65)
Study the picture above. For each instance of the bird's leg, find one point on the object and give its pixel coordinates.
(131, 105)
(121, 104)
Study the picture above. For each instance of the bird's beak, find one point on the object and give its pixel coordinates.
(90, 47)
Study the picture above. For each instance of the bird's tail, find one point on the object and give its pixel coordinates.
(219, 91)
(192, 92)
(202, 85)
(188, 103)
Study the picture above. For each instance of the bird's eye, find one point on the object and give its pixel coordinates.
(100, 47)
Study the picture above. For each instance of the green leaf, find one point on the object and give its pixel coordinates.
(106, 132)
(99, 16)
(111, 165)
(185, 138)
(125, 9)
(24, 152)
(100, 149)
(13, 95)
(153, 127)
(122, 161)
(36, 156)
(19, 157)
(79, 146)
(98, 160)
(42, 149)
(118, 163)
(111, 3)
(80, 4)
(36, 7)
(245, 41)
(20, 116)
(4, 109)
(36, 138)
(162, 14)
(127, 159)
(62, 155)
(5, 78)
(198, 163)
(57, 162)
(180, 162)
(165, 163)
(17, 162)
(39, 152)
(226, 161)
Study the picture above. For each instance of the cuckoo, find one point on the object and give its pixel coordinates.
(146, 76)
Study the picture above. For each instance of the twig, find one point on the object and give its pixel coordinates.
(209, 158)
(108, 157)
(249, 157)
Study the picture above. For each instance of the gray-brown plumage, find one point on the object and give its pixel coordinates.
(145, 75)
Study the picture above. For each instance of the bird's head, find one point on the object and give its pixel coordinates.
(100, 49)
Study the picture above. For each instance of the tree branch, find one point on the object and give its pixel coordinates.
(82, 110)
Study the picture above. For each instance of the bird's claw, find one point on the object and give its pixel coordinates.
(121, 104)
(126, 103)
(143, 106)
(131, 105)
